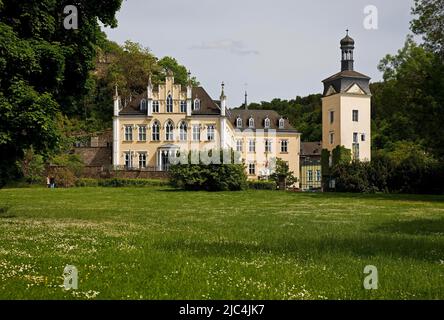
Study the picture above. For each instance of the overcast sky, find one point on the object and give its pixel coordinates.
(279, 48)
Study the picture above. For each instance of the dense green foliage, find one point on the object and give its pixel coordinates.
(157, 243)
(44, 70)
(262, 185)
(128, 67)
(408, 172)
(214, 177)
(282, 174)
(429, 22)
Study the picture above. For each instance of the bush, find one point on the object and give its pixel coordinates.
(384, 174)
(215, 177)
(87, 182)
(64, 177)
(32, 167)
(262, 185)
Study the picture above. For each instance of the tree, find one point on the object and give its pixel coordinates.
(43, 66)
(430, 23)
(409, 104)
(283, 174)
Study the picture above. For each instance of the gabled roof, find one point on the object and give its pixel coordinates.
(207, 105)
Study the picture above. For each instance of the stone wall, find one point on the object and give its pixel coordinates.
(99, 156)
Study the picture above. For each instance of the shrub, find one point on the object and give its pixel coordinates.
(64, 177)
(385, 174)
(215, 177)
(32, 167)
(87, 182)
(262, 185)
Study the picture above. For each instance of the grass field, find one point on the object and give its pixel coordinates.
(147, 243)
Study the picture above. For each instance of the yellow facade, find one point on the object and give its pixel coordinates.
(138, 146)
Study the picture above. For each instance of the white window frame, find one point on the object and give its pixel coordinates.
(281, 123)
(155, 132)
(183, 131)
(251, 123)
(239, 145)
(268, 145)
(142, 160)
(211, 133)
(156, 106)
(183, 106)
(284, 146)
(169, 131)
(196, 132)
(142, 133)
(129, 133)
(251, 146)
(239, 122)
(267, 123)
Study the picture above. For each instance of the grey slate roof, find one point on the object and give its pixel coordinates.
(259, 117)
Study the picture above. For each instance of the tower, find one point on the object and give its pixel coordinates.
(346, 107)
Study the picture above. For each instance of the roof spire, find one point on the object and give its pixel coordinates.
(246, 100)
(222, 95)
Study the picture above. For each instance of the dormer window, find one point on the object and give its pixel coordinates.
(143, 105)
(251, 123)
(281, 123)
(196, 105)
(267, 123)
(239, 122)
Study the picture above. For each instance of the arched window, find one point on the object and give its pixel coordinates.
(169, 103)
(183, 131)
(196, 104)
(267, 123)
(251, 123)
(169, 130)
(239, 122)
(156, 131)
(281, 123)
(143, 105)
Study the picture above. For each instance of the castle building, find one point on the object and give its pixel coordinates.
(346, 107)
(168, 119)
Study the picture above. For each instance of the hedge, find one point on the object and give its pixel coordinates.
(214, 177)
(262, 185)
(118, 183)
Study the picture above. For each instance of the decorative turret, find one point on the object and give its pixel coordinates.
(223, 101)
(347, 48)
(117, 102)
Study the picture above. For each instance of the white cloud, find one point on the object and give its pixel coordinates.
(233, 46)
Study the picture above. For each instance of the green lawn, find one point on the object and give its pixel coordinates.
(147, 243)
